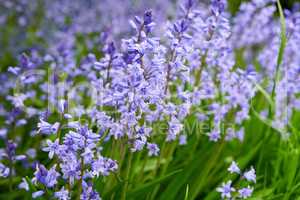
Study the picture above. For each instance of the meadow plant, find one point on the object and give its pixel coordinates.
(141, 99)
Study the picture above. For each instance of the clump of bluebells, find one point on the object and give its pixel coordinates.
(245, 183)
(91, 96)
(77, 160)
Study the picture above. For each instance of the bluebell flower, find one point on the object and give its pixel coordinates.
(11, 149)
(31, 153)
(110, 49)
(214, 135)
(62, 194)
(70, 167)
(245, 192)
(3, 133)
(24, 185)
(182, 140)
(138, 145)
(230, 134)
(147, 17)
(226, 190)
(4, 171)
(45, 177)
(68, 116)
(240, 134)
(153, 149)
(18, 100)
(24, 60)
(130, 56)
(62, 105)
(188, 4)
(250, 175)
(233, 168)
(89, 193)
(37, 194)
(175, 127)
(218, 6)
(103, 166)
(181, 27)
(14, 70)
(47, 128)
(74, 124)
(88, 155)
(52, 147)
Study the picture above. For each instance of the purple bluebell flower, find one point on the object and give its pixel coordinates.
(19, 157)
(63, 104)
(214, 135)
(174, 128)
(226, 190)
(103, 166)
(181, 26)
(62, 194)
(31, 153)
(11, 148)
(147, 17)
(245, 192)
(218, 6)
(68, 116)
(24, 185)
(18, 100)
(88, 192)
(111, 165)
(153, 149)
(250, 175)
(138, 145)
(24, 60)
(233, 168)
(4, 171)
(37, 194)
(47, 128)
(10, 152)
(240, 134)
(110, 49)
(188, 4)
(70, 168)
(21, 122)
(14, 70)
(182, 140)
(52, 147)
(45, 177)
(230, 134)
(3, 133)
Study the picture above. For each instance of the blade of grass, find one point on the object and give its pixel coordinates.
(281, 47)
(147, 186)
(186, 192)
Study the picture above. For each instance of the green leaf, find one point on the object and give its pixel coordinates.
(144, 188)
(281, 47)
(186, 192)
(265, 94)
(282, 35)
(32, 188)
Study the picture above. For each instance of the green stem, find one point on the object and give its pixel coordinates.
(169, 153)
(81, 177)
(125, 188)
(141, 173)
(208, 170)
(10, 174)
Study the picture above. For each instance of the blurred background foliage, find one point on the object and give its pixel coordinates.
(235, 4)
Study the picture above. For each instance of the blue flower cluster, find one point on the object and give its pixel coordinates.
(227, 190)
